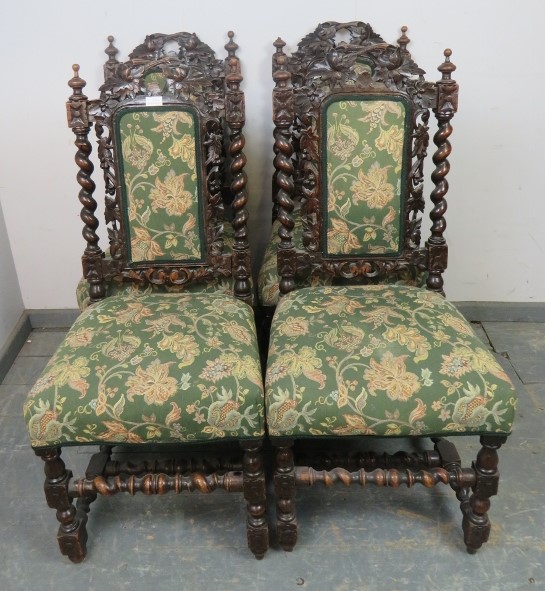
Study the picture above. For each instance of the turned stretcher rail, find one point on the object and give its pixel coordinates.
(307, 476)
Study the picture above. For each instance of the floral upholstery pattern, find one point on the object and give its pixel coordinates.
(384, 360)
(157, 368)
(161, 183)
(268, 278)
(364, 160)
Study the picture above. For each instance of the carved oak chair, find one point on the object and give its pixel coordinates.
(165, 352)
(360, 354)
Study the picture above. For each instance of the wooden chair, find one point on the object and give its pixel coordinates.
(165, 352)
(360, 352)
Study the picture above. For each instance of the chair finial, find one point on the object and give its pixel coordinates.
(231, 46)
(403, 41)
(111, 51)
(279, 44)
(281, 75)
(447, 67)
(76, 83)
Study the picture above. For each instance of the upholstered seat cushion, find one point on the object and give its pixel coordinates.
(268, 279)
(380, 360)
(157, 368)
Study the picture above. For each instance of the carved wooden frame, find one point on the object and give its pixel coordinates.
(211, 88)
(320, 69)
(194, 78)
(317, 71)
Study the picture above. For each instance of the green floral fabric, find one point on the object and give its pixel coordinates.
(380, 360)
(268, 279)
(161, 183)
(159, 368)
(364, 161)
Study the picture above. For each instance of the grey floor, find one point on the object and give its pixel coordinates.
(350, 539)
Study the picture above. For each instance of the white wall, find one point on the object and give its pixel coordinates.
(496, 209)
(11, 301)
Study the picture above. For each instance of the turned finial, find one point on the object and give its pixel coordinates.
(447, 67)
(281, 75)
(403, 41)
(231, 46)
(279, 44)
(111, 51)
(76, 83)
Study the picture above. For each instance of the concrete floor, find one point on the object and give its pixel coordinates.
(349, 539)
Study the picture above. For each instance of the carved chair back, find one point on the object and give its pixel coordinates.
(169, 130)
(351, 134)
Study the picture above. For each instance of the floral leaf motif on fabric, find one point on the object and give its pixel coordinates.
(152, 367)
(158, 152)
(385, 360)
(364, 161)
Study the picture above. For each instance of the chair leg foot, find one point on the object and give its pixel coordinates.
(74, 543)
(255, 493)
(476, 524)
(72, 534)
(284, 488)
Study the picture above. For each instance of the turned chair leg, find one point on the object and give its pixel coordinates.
(476, 523)
(284, 489)
(72, 534)
(255, 493)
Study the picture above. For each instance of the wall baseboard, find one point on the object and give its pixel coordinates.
(16, 339)
(62, 318)
(502, 311)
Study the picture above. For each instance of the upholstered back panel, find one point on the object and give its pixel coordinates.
(160, 180)
(364, 160)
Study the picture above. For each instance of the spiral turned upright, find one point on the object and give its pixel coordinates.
(283, 164)
(447, 100)
(235, 120)
(79, 122)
